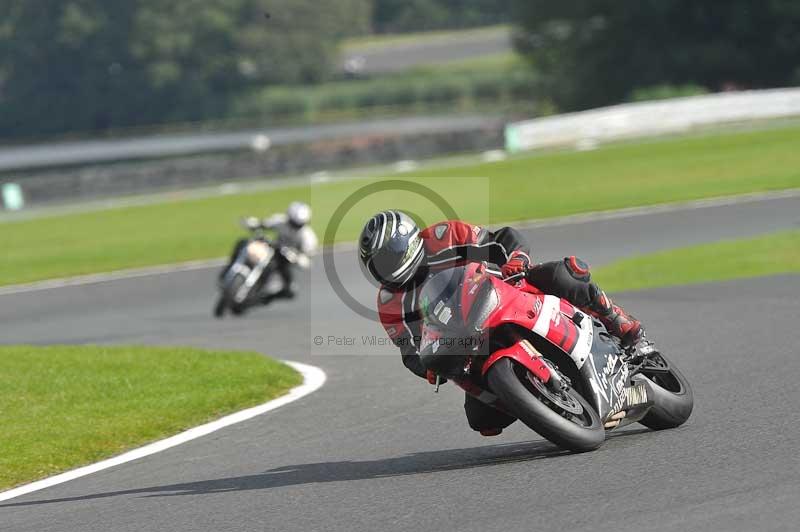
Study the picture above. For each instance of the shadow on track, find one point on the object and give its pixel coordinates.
(410, 464)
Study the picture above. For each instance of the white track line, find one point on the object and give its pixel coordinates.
(594, 216)
(313, 379)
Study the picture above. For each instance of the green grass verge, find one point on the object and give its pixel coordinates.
(63, 407)
(542, 186)
(730, 259)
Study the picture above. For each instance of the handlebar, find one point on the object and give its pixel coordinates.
(251, 223)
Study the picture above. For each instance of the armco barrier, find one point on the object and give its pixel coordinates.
(75, 183)
(651, 118)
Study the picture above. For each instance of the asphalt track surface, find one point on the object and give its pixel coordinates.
(375, 449)
(428, 52)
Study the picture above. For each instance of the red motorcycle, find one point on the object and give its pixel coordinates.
(538, 358)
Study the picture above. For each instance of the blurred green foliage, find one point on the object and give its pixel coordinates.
(497, 87)
(397, 16)
(665, 92)
(597, 52)
(89, 65)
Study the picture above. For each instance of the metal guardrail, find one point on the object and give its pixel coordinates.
(88, 152)
(618, 122)
(369, 147)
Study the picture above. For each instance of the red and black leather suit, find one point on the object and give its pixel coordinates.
(451, 243)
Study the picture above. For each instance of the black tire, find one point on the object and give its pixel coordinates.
(509, 381)
(219, 307)
(230, 294)
(673, 396)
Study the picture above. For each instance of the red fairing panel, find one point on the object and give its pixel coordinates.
(562, 332)
(523, 353)
(474, 276)
(548, 316)
(516, 306)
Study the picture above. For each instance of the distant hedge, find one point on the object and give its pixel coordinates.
(399, 16)
(394, 94)
(665, 92)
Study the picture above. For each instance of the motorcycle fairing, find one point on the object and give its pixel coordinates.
(607, 374)
(258, 251)
(250, 263)
(596, 355)
(525, 354)
(556, 321)
(550, 317)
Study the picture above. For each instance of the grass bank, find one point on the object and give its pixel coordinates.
(67, 406)
(721, 261)
(540, 186)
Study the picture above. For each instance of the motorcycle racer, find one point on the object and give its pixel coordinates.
(291, 230)
(400, 256)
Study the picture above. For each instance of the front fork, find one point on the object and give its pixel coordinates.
(251, 275)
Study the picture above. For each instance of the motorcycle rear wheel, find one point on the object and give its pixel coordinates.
(577, 432)
(673, 399)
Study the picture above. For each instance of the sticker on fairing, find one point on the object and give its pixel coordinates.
(442, 313)
(636, 395)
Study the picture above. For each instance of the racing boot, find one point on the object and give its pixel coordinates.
(643, 348)
(616, 320)
(288, 292)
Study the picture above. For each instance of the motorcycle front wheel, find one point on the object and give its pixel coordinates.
(219, 307)
(564, 418)
(230, 295)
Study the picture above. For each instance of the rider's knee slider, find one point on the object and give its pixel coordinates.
(578, 269)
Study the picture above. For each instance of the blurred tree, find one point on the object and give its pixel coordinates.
(592, 53)
(61, 61)
(88, 65)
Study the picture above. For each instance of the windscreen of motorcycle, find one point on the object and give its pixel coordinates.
(440, 299)
(460, 298)
(454, 304)
(442, 326)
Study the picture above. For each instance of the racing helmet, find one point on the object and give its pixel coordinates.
(390, 248)
(298, 214)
